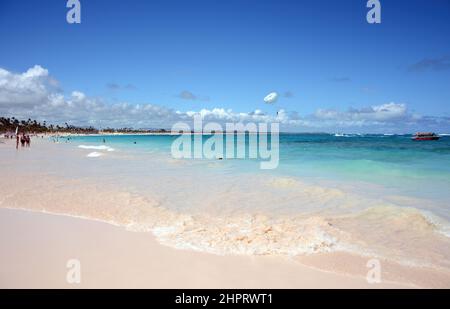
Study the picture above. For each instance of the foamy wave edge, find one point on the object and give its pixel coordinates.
(101, 147)
(254, 235)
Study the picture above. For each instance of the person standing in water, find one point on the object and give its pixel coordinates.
(17, 141)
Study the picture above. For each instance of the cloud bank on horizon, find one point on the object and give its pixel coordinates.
(36, 94)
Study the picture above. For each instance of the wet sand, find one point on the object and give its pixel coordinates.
(35, 248)
(38, 240)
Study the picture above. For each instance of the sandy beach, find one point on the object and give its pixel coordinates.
(50, 217)
(36, 248)
(225, 145)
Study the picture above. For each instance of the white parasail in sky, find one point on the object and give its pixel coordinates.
(271, 98)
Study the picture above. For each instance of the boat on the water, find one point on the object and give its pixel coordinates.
(425, 136)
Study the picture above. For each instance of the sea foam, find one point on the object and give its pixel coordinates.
(102, 147)
(94, 154)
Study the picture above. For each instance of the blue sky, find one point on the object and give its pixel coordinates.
(194, 55)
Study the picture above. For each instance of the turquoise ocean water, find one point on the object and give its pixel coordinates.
(393, 162)
(378, 195)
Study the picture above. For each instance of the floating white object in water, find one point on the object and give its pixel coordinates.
(94, 155)
(271, 98)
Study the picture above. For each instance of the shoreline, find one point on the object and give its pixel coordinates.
(349, 267)
(111, 257)
(169, 133)
(68, 198)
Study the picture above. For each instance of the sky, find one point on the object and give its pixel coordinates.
(149, 64)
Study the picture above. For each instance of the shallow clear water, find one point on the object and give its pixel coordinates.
(373, 195)
(394, 164)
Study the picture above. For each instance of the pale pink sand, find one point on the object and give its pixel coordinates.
(36, 247)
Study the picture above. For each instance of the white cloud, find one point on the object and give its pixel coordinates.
(35, 94)
(35, 72)
(28, 88)
(78, 96)
(384, 112)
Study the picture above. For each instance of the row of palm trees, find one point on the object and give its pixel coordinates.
(133, 131)
(33, 126)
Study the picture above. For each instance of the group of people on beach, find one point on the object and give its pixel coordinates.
(24, 139)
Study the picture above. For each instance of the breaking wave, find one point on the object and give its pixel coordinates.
(102, 147)
(406, 235)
